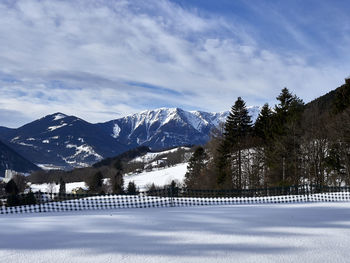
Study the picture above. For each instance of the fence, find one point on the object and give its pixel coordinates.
(39, 202)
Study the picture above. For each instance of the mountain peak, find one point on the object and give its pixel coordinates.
(58, 115)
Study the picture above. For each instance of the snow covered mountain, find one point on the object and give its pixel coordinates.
(166, 127)
(63, 141)
(163, 128)
(68, 141)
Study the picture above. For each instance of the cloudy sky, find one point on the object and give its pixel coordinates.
(104, 59)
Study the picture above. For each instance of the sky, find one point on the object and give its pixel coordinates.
(104, 59)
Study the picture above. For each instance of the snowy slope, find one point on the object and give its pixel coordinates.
(159, 177)
(167, 127)
(150, 156)
(245, 233)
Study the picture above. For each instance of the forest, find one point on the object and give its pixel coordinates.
(291, 143)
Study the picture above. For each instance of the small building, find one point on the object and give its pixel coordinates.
(9, 174)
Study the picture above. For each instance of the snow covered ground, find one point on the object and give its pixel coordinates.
(150, 156)
(312, 232)
(159, 177)
(54, 188)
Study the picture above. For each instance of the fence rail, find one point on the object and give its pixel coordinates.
(39, 202)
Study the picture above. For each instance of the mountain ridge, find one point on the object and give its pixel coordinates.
(68, 141)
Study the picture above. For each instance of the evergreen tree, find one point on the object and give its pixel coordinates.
(238, 127)
(62, 189)
(151, 189)
(263, 136)
(334, 165)
(29, 199)
(12, 191)
(286, 131)
(11, 187)
(95, 182)
(131, 189)
(262, 126)
(174, 189)
(194, 168)
(238, 124)
(222, 162)
(117, 183)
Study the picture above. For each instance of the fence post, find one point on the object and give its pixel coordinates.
(40, 199)
(171, 193)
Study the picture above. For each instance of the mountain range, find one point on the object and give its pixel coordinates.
(62, 141)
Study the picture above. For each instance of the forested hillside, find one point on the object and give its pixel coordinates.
(289, 144)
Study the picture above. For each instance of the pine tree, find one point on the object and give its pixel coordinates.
(285, 165)
(131, 189)
(95, 182)
(238, 124)
(11, 187)
(194, 168)
(174, 189)
(29, 199)
(117, 183)
(263, 135)
(62, 186)
(262, 126)
(238, 127)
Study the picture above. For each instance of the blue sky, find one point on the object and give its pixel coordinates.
(104, 59)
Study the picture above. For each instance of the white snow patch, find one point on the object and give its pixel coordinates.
(59, 116)
(52, 128)
(26, 144)
(116, 131)
(159, 177)
(152, 155)
(254, 112)
(15, 138)
(85, 150)
(54, 188)
(49, 166)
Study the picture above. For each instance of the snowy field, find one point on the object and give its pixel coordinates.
(312, 232)
(159, 177)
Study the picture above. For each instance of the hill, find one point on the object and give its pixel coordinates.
(9, 159)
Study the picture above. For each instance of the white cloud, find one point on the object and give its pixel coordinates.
(78, 57)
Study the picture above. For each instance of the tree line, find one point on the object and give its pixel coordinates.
(289, 144)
